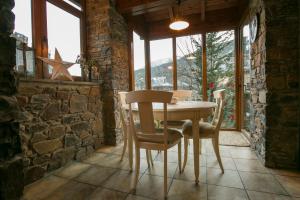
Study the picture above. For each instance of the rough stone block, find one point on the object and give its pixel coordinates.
(11, 181)
(40, 98)
(72, 140)
(37, 137)
(33, 173)
(80, 126)
(47, 146)
(56, 132)
(78, 103)
(52, 111)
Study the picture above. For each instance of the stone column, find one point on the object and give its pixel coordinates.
(11, 165)
(275, 83)
(107, 43)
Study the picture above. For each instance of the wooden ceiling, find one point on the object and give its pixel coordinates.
(151, 17)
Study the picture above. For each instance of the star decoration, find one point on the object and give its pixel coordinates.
(60, 67)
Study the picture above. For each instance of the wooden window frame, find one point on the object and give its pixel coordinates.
(40, 35)
(238, 72)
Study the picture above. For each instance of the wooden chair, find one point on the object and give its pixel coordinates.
(147, 137)
(207, 130)
(180, 95)
(125, 123)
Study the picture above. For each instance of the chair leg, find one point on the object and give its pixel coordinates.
(125, 146)
(165, 173)
(185, 143)
(215, 142)
(151, 158)
(179, 156)
(147, 157)
(137, 167)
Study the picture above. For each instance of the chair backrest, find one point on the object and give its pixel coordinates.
(144, 100)
(219, 96)
(122, 106)
(182, 95)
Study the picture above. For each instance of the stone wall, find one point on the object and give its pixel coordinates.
(275, 83)
(258, 82)
(11, 165)
(61, 121)
(107, 43)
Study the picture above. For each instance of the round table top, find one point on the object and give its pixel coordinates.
(183, 106)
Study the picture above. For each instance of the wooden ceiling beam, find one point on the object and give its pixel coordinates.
(203, 2)
(141, 6)
(214, 21)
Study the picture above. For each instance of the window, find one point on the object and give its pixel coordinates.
(23, 25)
(73, 4)
(247, 69)
(64, 35)
(189, 64)
(139, 62)
(161, 57)
(220, 47)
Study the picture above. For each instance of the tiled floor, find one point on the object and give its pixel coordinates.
(103, 177)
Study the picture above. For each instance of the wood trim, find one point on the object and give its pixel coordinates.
(66, 7)
(131, 58)
(174, 63)
(147, 64)
(39, 36)
(238, 78)
(83, 34)
(204, 68)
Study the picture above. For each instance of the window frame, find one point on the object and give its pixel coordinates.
(40, 35)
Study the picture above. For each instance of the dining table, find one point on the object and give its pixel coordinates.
(182, 110)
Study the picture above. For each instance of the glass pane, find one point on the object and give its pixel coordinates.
(139, 62)
(221, 71)
(161, 56)
(247, 71)
(64, 34)
(22, 11)
(189, 64)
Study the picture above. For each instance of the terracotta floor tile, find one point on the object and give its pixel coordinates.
(96, 158)
(212, 162)
(102, 193)
(250, 165)
(95, 175)
(291, 184)
(245, 153)
(158, 169)
(266, 196)
(226, 193)
(72, 190)
(189, 174)
(172, 157)
(43, 187)
(229, 178)
(283, 172)
(186, 190)
(121, 181)
(261, 183)
(190, 160)
(134, 197)
(72, 170)
(151, 186)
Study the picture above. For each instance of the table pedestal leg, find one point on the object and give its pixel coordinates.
(196, 149)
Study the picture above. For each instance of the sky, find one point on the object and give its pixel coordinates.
(63, 31)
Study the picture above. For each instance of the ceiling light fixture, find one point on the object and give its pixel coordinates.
(177, 23)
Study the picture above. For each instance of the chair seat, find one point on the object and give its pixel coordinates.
(206, 130)
(174, 123)
(173, 136)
